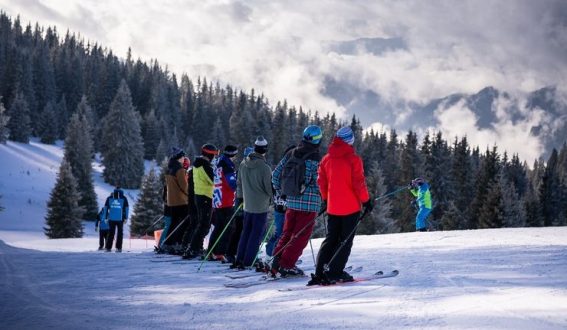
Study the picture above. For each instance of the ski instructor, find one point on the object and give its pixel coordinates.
(343, 190)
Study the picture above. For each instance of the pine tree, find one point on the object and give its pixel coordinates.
(4, 119)
(62, 116)
(122, 147)
(551, 192)
(379, 221)
(19, 123)
(452, 218)
(78, 151)
(463, 181)
(487, 178)
(408, 170)
(64, 214)
(149, 206)
(218, 135)
(491, 213)
(47, 127)
(513, 207)
(151, 133)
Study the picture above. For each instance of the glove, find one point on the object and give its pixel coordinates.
(410, 186)
(283, 197)
(368, 205)
(323, 207)
(239, 200)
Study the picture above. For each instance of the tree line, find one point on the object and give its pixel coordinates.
(63, 87)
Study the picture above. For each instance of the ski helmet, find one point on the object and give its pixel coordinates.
(312, 134)
(209, 150)
(417, 181)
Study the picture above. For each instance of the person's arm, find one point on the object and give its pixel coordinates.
(322, 181)
(229, 175)
(125, 208)
(277, 174)
(267, 181)
(239, 183)
(359, 181)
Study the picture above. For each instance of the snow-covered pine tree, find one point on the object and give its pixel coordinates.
(218, 134)
(64, 214)
(379, 221)
(4, 118)
(149, 206)
(514, 212)
(408, 170)
(491, 212)
(463, 182)
(48, 125)
(122, 148)
(452, 218)
(78, 152)
(19, 123)
(551, 192)
(85, 112)
(485, 180)
(62, 116)
(151, 134)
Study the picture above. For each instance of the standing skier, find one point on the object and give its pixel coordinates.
(177, 199)
(203, 184)
(295, 179)
(101, 225)
(117, 206)
(254, 186)
(420, 190)
(223, 200)
(343, 189)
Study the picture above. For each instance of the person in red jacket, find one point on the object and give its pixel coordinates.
(343, 190)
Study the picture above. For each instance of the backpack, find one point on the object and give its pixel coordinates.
(116, 206)
(293, 175)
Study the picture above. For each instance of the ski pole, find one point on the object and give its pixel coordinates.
(312, 253)
(294, 237)
(159, 217)
(264, 240)
(390, 193)
(175, 229)
(343, 243)
(221, 234)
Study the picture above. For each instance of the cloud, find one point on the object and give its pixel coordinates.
(287, 49)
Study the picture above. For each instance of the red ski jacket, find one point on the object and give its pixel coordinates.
(341, 179)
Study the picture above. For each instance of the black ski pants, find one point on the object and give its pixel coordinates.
(220, 219)
(102, 237)
(115, 226)
(178, 223)
(339, 227)
(203, 224)
(235, 233)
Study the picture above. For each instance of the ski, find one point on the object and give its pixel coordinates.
(306, 269)
(263, 280)
(267, 279)
(375, 276)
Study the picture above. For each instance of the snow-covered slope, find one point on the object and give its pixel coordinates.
(482, 279)
(27, 175)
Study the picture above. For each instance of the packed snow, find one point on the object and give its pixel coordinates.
(477, 279)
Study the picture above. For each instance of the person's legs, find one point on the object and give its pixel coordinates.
(348, 223)
(255, 237)
(120, 235)
(244, 236)
(110, 237)
(301, 229)
(420, 219)
(279, 218)
(330, 243)
(204, 209)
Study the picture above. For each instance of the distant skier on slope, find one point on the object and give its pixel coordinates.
(420, 189)
(343, 189)
(117, 206)
(102, 226)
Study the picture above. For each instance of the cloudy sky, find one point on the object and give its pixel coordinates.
(415, 51)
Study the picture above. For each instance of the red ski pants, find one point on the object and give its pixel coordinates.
(295, 221)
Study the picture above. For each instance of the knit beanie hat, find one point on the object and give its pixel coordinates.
(176, 153)
(230, 150)
(248, 151)
(261, 145)
(346, 134)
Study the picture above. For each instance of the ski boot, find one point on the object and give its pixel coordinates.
(320, 280)
(291, 272)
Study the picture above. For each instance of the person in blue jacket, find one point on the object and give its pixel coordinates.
(101, 225)
(420, 190)
(117, 213)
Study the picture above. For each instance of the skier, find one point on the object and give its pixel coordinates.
(420, 190)
(343, 189)
(295, 179)
(101, 225)
(236, 227)
(117, 206)
(203, 176)
(254, 188)
(177, 199)
(279, 216)
(223, 200)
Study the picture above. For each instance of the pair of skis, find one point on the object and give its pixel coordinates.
(267, 279)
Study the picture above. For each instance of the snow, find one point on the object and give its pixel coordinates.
(477, 279)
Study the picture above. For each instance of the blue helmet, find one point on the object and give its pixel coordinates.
(312, 134)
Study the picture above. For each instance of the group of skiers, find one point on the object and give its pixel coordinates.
(236, 200)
